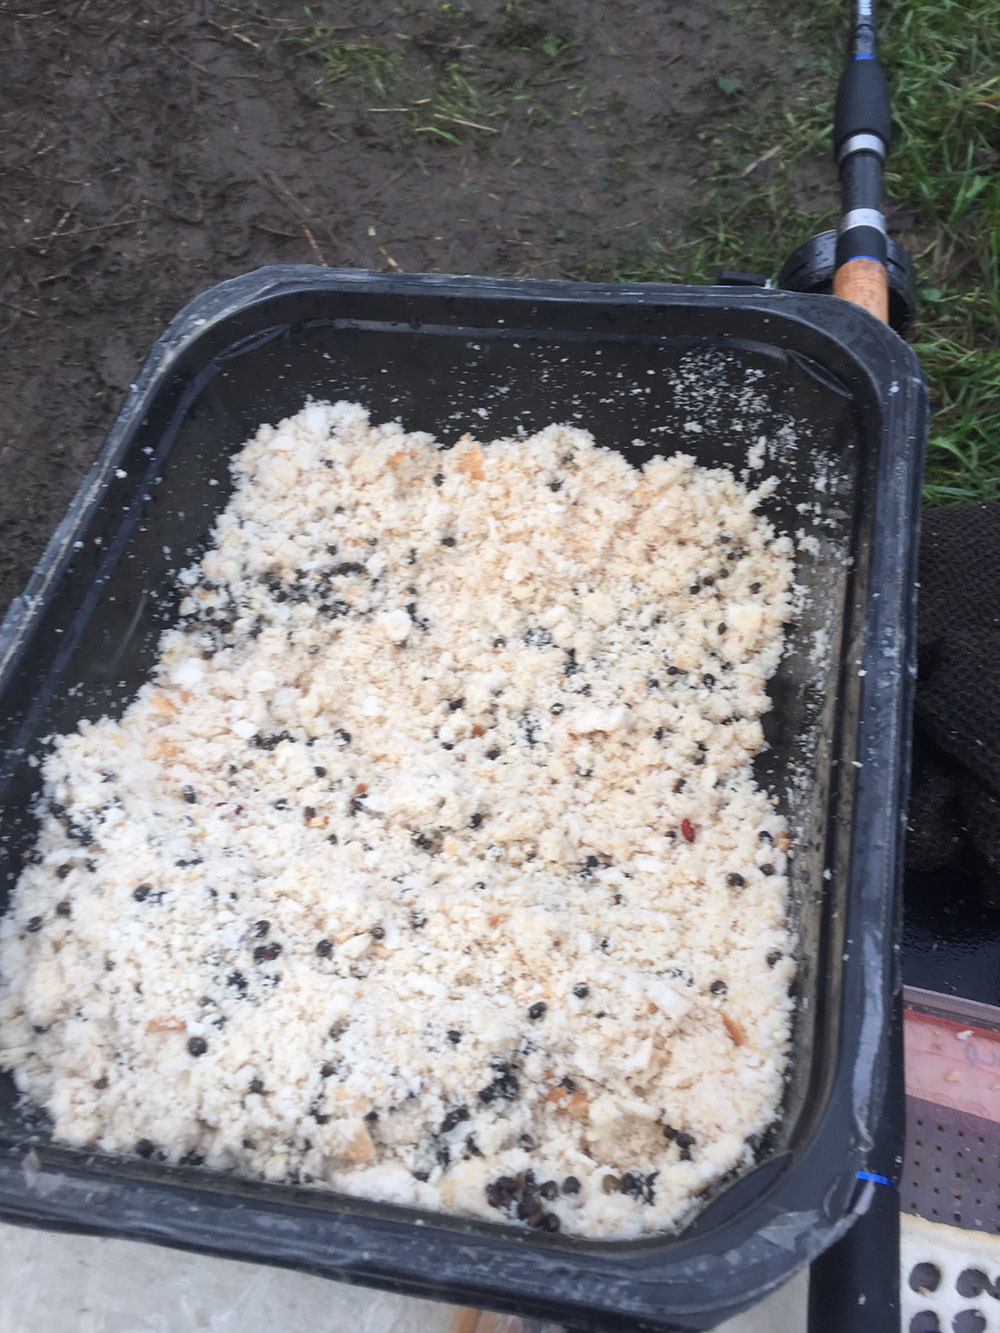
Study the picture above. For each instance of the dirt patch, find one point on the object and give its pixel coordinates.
(147, 158)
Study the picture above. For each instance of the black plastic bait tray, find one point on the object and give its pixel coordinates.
(833, 404)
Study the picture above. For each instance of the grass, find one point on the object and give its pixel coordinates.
(455, 97)
(366, 64)
(943, 62)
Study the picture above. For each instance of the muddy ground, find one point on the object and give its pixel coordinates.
(149, 151)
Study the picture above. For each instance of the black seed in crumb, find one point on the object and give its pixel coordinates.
(669, 1133)
(197, 1045)
(453, 1117)
(320, 771)
(476, 820)
(267, 953)
(190, 795)
(718, 988)
(63, 871)
(708, 580)
(618, 899)
(673, 671)
(549, 1190)
(261, 928)
(735, 555)
(722, 627)
(447, 541)
(605, 946)
(502, 1192)
(256, 1086)
(338, 1029)
(145, 1148)
(238, 980)
(101, 1083)
(571, 1185)
(378, 932)
(344, 737)
(530, 1206)
(324, 948)
(581, 990)
(527, 1142)
(261, 742)
(454, 1036)
(631, 1184)
(709, 680)
(610, 1184)
(735, 880)
(584, 689)
(506, 1086)
(455, 704)
(309, 812)
(680, 784)
(652, 684)
(659, 733)
(417, 920)
(537, 1010)
(471, 1147)
(332, 838)
(695, 587)
(421, 1176)
(371, 1116)
(438, 478)
(34, 925)
(493, 754)
(773, 957)
(685, 1141)
(499, 643)
(63, 909)
(538, 638)
(446, 745)
(755, 587)
(764, 836)
(555, 485)
(92, 867)
(767, 868)
(321, 1117)
(480, 885)
(327, 1070)
(280, 804)
(556, 709)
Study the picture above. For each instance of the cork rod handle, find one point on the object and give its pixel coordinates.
(865, 282)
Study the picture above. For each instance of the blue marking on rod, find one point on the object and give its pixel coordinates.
(864, 57)
(853, 257)
(876, 1179)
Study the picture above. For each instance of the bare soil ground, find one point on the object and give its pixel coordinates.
(150, 151)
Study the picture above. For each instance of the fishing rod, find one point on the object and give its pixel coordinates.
(854, 1286)
(862, 136)
(858, 261)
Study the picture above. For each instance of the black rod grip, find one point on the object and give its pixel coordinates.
(860, 242)
(854, 1286)
(862, 103)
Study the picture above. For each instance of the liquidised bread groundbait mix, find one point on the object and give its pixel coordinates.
(430, 865)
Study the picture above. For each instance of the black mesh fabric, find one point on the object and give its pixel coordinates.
(954, 818)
